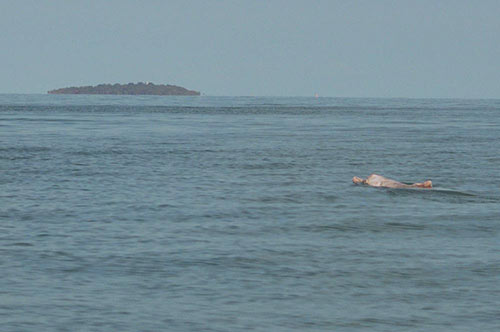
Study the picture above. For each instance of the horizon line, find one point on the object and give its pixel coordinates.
(255, 96)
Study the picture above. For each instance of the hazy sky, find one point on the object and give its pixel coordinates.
(277, 47)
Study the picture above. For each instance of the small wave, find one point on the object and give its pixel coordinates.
(443, 194)
(24, 149)
(38, 120)
(447, 191)
(21, 244)
(434, 190)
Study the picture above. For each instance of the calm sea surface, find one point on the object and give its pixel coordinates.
(122, 213)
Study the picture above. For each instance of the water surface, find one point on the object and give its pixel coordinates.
(145, 213)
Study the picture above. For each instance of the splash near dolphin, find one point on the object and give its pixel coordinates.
(375, 180)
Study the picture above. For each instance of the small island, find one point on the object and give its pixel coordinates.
(128, 89)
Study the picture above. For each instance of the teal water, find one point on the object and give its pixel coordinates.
(232, 214)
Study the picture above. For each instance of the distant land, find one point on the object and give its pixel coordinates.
(128, 89)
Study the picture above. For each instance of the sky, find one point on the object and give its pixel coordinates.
(412, 49)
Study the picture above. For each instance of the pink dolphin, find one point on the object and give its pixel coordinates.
(375, 180)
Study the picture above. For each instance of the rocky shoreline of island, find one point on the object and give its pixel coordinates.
(140, 88)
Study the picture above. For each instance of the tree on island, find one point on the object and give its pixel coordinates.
(140, 88)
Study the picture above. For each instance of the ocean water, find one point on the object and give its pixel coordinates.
(238, 214)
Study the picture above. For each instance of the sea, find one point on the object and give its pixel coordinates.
(156, 213)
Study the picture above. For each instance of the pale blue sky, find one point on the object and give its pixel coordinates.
(277, 47)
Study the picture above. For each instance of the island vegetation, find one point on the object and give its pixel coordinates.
(128, 89)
